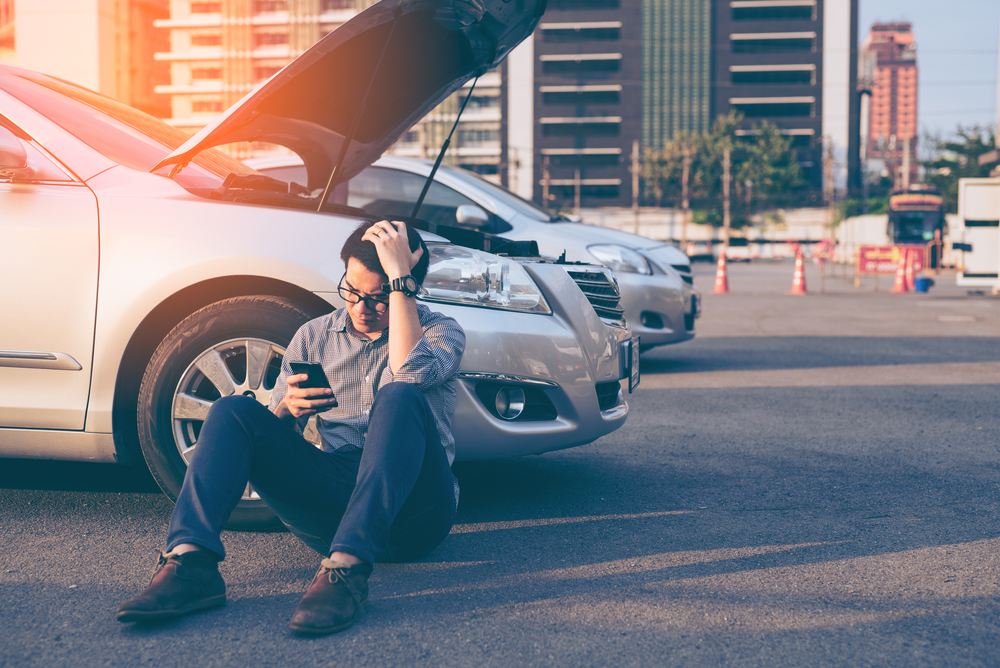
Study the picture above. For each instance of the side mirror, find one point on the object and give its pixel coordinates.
(13, 157)
(468, 215)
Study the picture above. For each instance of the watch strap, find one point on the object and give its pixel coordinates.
(405, 284)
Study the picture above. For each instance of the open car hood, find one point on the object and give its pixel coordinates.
(400, 58)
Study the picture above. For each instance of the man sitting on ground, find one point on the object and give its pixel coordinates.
(381, 487)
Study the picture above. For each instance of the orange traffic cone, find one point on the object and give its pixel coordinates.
(721, 276)
(900, 284)
(799, 280)
(911, 283)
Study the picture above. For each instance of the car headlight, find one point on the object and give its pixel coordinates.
(458, 275)
(620, 258)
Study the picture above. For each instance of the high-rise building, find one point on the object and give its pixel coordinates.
(586, 102)
(792, 63)
(892, 135)
(676, 69)
(220, 50)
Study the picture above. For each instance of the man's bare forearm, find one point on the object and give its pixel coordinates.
(405, 331)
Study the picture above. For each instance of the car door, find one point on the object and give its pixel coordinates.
(48, 288)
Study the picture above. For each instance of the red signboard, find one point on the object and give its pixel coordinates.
(877, 260)
(885, 259)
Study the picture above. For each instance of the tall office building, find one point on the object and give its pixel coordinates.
(586, 102)
(676, 69)
(892, 136)
(221, 49)
(792, 63)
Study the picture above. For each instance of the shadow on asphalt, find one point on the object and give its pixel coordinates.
(639, 527)
(75, 476)
(809, 352)
(704, 486)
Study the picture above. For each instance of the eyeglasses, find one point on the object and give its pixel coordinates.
(377, 304)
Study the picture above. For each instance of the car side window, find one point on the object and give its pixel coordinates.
(389, 192)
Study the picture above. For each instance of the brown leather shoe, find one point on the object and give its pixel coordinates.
(182, 583)
(336, 596)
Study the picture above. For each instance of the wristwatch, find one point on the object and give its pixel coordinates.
(406, 284)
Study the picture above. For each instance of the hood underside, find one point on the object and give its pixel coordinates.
(383, 70)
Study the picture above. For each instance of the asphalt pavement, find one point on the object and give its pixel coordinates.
(813, 481)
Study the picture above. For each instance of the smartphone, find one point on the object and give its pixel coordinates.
(317, 377)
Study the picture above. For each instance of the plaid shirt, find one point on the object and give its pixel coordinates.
(357, 366)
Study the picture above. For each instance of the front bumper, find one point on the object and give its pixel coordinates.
(568, 365)
(659, 308)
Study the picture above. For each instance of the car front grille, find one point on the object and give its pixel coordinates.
(601, 289)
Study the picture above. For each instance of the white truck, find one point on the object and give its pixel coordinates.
(979, 218)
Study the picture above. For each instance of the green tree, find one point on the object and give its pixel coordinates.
(763, 166)
(663, 169)
(957, 158)
(848, 208)
(768, 170)
(764, 171)
(658, 167)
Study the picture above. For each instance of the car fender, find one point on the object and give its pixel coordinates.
(180, 245)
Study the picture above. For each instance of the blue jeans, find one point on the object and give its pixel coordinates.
(394, 500)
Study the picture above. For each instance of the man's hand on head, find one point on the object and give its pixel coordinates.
(303, 401)
(393, 247)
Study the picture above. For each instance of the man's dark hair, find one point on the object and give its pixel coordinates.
(365, 252)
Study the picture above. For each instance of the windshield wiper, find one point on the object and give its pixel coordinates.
(258, 183)
(261, 189)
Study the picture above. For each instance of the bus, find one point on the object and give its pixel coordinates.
(915, 214)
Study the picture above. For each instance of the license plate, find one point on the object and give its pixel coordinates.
(633, 377)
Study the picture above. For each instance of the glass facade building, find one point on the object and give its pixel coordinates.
(676, 69)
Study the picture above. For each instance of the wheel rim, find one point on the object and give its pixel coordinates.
(244, 366)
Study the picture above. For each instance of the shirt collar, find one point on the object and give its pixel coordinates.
(341, 322)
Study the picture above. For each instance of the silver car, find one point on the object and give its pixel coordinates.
(660, 299)
(144, 277)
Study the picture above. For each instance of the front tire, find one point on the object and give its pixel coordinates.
(234, 346)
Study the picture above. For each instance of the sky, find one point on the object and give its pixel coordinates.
(956, 57)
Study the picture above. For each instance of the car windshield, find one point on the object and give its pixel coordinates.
(119, 132)
(916, 225)
(522, 206)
